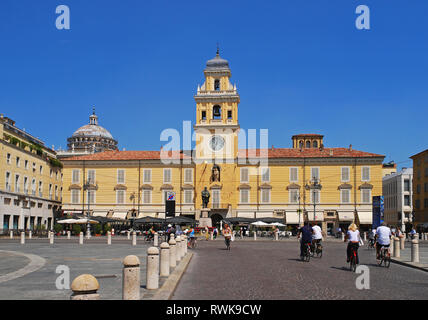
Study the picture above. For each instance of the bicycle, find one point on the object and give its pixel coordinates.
(385, 257)
(192, 243)
(370, 244)
(318, 250)
(353, 259)
(306, 252)
(227, 241)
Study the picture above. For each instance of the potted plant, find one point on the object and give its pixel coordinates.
(97, 230)
(58, 229)
(107, 227)
(76, 229)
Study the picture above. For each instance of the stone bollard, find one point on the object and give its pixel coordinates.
(172, 253)
(85, 287)
(68, 235)
(22, 237)
(276, 236)
(391, 246)
(108, 237)
(81, 238)
(164, 259)
(415, 250)
(30, 234)
(185, 245)
(172, 236)
(178, 249)
(88, 235)
(129, 235)
(51, 239)
(396, 247)
(402, 242)
(152, 268)
(156, 240)
(11, 234)
(134, 238)
(343, 236)
(255, 235)
(131, 278)
(365, 236)
(212, 236)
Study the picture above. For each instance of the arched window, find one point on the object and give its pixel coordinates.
(315, 144)
(217, 85)
(217, 112)
(308, 144)
(301, 144)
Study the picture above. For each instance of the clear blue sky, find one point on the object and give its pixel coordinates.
(300, 67)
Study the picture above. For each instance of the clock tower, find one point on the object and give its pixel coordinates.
(216, 131)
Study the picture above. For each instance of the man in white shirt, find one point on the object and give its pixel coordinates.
(383, 236)
(316, 235)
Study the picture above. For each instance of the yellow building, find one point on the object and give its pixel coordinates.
(420, 187)
(30, 180)
(276, 182)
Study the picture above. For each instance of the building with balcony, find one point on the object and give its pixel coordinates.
(30, 180)
(333, 186)
(397, 189)
(420, 188)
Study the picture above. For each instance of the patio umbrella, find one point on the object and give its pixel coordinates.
(66, 221)
(180, 220)
(149, 220)
(260, 224)
(278, 224)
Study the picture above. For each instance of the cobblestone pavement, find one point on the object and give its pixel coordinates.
(94, 257)
(272, 270)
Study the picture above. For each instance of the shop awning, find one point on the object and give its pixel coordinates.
(365, 217)
(119, 215)
(293, 217)
(346, 216)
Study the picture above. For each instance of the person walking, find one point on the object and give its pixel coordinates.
(215, 233)
(227, 233)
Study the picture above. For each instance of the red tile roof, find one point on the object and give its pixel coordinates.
(272, 153)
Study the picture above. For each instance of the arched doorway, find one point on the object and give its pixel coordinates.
(216, 218)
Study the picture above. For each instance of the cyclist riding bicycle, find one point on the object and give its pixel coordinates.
(372, 235)
(353, 235)
(306, 232)
(227, 233)
(383, 236)
(317, 235)
(191, 236)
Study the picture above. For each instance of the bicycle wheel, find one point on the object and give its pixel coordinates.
(352, 264)
(319, 252)
(381, 259)
(307, 255)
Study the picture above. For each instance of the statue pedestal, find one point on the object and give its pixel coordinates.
(204, 220)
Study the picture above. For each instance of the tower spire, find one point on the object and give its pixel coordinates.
(218, 49)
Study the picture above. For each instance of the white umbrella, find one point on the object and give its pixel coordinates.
(260, 223)
(278, 224)
(66, 221)
(77, 221)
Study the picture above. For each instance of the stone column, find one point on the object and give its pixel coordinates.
(255, 235)
(134, 238)
(68, 234)
(11, 234)
(108, 237)
(402, 242)
(156, 240)
(85, 287)
(415, 250)
(164, 259)
(51, 240)
(81, 238)
(152, 268)
(391, 246)
(184, 244)
(396, 247)
(172, 254)
(276, 236)
(30, 234)
(131, 278)
(129, 235)
(22, 237)
(178, 249)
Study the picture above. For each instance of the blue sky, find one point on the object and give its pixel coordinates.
(300, 67)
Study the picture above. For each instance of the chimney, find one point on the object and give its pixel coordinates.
(350, 147)
(331, 152)
(273, 148)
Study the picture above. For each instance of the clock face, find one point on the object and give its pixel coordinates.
(216, 143)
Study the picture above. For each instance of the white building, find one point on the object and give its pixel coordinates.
(397, 192)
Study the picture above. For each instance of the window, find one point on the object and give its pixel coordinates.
(315, 193)
(418, 189)
(120, 176)
(315, 144)
(294, 174)
(26, 185)
(265, 195)
(50, 173)
(147, 176)
(40, 189)
(366, 195)
(188, 175)
(91, 176)
(188, 196)
(26, 164)
(17, 187)
(8, 157)
(417, 204)
(18, 161)
(426, 172)
(345, 174)
(244, 195)
(33, 187)
(244, 175)
(426, 187)
(7, 181)
(426, 203)
(166, 175)
(265, 174)
(308, 144)
(216, 198)
(120, 196)
(147, 196)
(217, 112)
(217, 85)
(90, 195)
(75, 176)
(41, 169)
(56, 192)
(365, 174)
(345, 195)
(229, 114)
(406, 185)
(204, 115)
(315, 174)
(300, 144)
(406, 200)
(75, 196)
(50, 191)
(294, 195)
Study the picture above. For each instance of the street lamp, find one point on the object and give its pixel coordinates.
(86, 187)
(315, 185)
(132, 198)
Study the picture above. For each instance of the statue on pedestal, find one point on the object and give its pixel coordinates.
(205, 197)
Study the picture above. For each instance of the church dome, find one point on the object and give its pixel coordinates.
(217, 63)
(91, 130)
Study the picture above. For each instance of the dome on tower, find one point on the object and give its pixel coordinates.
(217, 63)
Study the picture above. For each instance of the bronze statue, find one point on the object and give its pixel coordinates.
(215, 176)
(205, 197)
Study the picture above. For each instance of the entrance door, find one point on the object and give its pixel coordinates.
(6, 222)
(216, 218)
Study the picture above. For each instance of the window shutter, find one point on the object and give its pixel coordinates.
(244, 196)
(244, 174)
(121, 176)
(366, 173)
(265, 174)
(167, 175)
(293, 175)
(188, 175)
(147, 176)
(188, 196)
(76, 174)
(315, 173)
(345, 174)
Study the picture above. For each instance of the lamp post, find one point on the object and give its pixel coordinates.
(86, 187)
(315, 185)
(132, 198)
